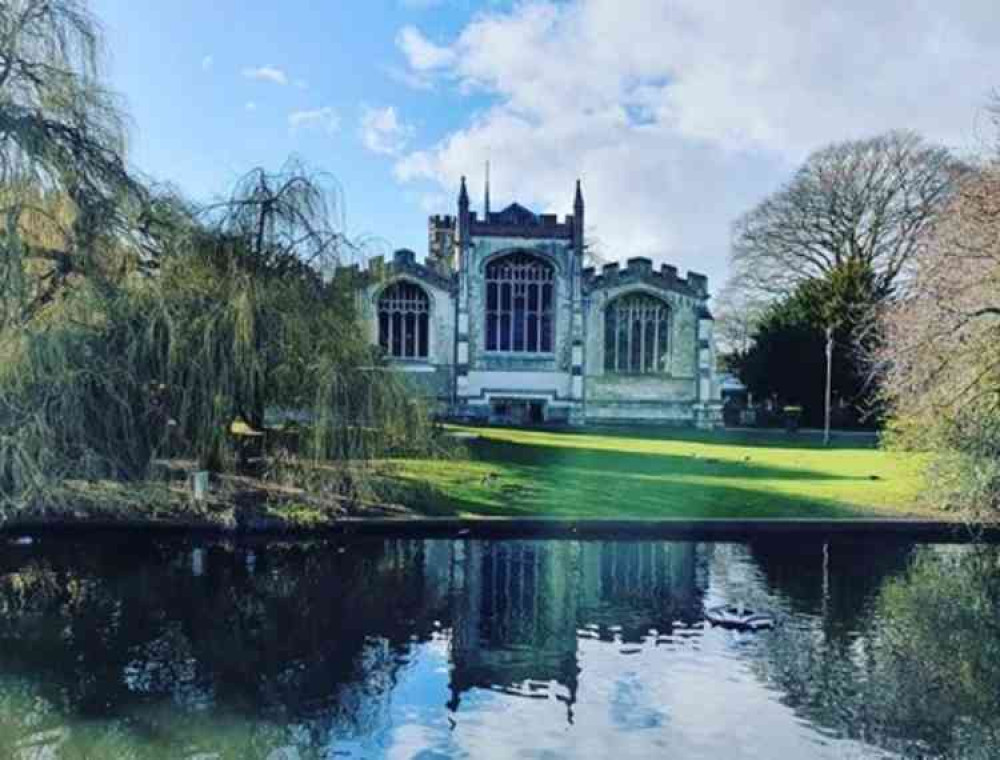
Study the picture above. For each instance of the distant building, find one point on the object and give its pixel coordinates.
(505, 323)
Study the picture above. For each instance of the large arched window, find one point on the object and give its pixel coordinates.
(636, 333)
(403, 315)
(520, 296)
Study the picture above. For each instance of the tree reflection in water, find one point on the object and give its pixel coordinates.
(118, 648)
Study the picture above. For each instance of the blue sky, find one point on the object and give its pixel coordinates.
(678, 114)
(182, 68)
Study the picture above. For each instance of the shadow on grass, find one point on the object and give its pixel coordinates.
(584, 499)
(612, 463)
(519, 479)
(765, 438)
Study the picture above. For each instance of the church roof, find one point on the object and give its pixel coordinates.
(518, 221)
(515, 213)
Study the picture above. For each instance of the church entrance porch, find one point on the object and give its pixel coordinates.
(517, 411)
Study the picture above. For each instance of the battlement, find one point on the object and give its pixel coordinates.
(403, 262)
(441, 221)
(517, 221)
(640, 269)
(640, 264)
(403, 257)
(698, 282)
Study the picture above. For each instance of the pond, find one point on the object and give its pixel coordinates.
(378, 648)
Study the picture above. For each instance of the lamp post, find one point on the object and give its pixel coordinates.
(829, 383)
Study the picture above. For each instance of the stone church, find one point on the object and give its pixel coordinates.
(504, 322)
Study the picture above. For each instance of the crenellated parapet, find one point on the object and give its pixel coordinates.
(517, 221)
(640, 270)
(403, 262)
(538, 337)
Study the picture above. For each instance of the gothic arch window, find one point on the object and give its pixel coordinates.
(403, 320)
(520, 304)
(636, 334)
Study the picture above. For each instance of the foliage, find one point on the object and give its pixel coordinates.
(787, 358)
(135, 325)
(938, 672)
(71, 399)
(823, 252)
(236, 322)
(940, 353)
(863, 202)
(68, 198)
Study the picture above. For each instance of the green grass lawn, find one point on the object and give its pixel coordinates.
(665, 473)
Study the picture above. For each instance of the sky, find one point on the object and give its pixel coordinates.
(678, 115)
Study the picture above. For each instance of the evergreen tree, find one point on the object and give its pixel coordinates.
(787, 360)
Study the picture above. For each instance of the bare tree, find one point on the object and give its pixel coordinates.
(282, 219)
(737, 312)
(940, 351)
(866, 201)
(942, 345)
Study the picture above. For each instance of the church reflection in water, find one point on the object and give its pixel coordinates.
(313, 645)
(519, 609)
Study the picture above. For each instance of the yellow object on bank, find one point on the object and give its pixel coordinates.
(240, 427)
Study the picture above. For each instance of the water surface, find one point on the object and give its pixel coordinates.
(482, 649)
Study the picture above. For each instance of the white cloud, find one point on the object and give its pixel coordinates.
(420, 52)
(250, 106)
(207, 63)
(415, 80)
(266, 74)
(382, 131)
(680, 115)
(325, 118)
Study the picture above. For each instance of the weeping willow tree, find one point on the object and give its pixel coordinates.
(258, 320)
(135, 326)
(67, 198)
(65, 202)
(243, 315)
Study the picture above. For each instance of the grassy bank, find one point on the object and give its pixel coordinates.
(667, 473)
(609, 473)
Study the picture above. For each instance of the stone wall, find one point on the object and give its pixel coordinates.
(682, 360)
(685, 393)
(514, 375)
(559, 254)
(686, 385)
(665, 396)
(650, 412)
(432, 377)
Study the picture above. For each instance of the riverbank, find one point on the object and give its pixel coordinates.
(231, 504)
(668, 479)
(28, 531)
